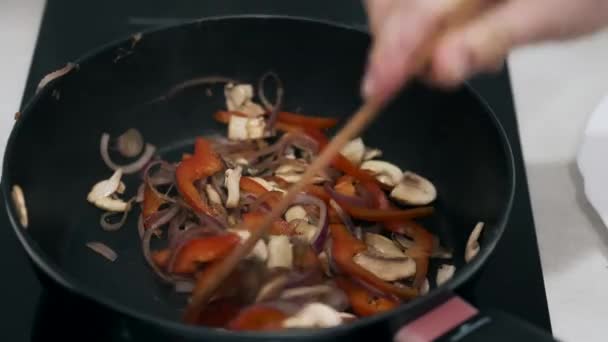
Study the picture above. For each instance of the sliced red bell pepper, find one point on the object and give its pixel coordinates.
(201, 250)
(306, 121)
(258, 317)
(317, 191)
(253, 220)
(251, 186)
(219, 313)
(345, 247)
(205, 162)
(363, 301)
(381, 215)
(346, 186)
(151, 202)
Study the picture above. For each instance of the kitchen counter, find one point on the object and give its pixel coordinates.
(556, 87)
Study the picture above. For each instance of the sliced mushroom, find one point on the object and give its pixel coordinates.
(347, 317)
(425, 287)
(445, 273)
(439, 252)
(238, 98)
(371, 153)
(414, 189)
(354, 151)
(384, 268)
(212, 195)
(383, 245)
(259, 251)
(100, 194)
(290, 168)
(296, 212)
(106, 187)
(232, 180)
(280, 252)
(244, 128)
(472, 247)
(19, 202)
(305, 231)
(385, 172)
(314, 315)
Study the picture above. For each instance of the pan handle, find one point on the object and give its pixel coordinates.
(455, 320)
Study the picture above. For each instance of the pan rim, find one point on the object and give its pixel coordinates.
(74, 287)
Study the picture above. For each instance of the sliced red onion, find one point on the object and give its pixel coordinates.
(145, 245)
(188, 233)
(345, 218)
(174, 225)
(327, 294)
(211, 222)
(158, 180)
(354, 201)
(161, 217)
(129, 168)
(110, 227)
(272, 108)
(130, 143)
(141, 230)
(140, 193)
(103, 250)
(318, 241)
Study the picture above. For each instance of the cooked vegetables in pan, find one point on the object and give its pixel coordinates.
(350, 246)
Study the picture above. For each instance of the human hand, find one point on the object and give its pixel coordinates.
(400, 27)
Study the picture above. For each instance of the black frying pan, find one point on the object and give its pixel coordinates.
(452, 138)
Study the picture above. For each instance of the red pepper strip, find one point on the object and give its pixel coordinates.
(205, 162)
(161, 257)
(363, 301)
(382, 215)
(423, 246)
(253, 220)
(345, 247)
(306, 121)
(201, 250)
(219, 313)
(317, 191)
(346, 186)
(251, 186)
(340, 162)
(258, 317)
(151, 202)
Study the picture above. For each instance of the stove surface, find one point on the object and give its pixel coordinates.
(71, 27)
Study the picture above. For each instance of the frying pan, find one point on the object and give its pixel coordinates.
(453, 138)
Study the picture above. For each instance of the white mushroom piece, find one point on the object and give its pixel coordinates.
(314, 315)
(101, 194)
(389, 269)
(259, 251)
(245, 128)
(268, 185)
(445, 273)
(19, 202)
(414, 189)
(425, 287)
(472, 247)
(371, 153)
(232, 179)
(385, 172)
(212, 195)
(354, 151)
(280, 252)
(304, 230)
(383, 245)
(239, 98)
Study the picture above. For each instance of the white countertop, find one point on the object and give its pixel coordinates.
(556, 88)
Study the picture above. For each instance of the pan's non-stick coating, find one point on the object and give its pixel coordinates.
(449, 137)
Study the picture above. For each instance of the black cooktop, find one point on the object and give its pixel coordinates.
(511, 281)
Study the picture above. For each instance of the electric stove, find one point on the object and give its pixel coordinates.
(511, 281)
